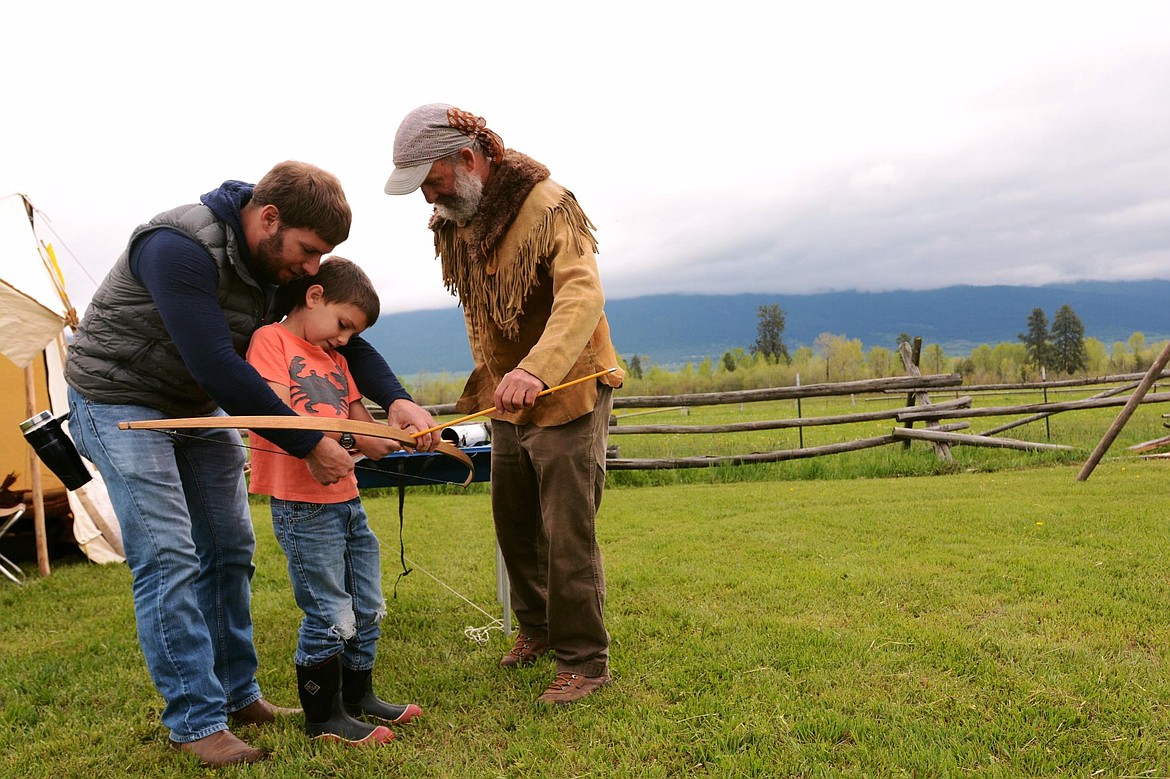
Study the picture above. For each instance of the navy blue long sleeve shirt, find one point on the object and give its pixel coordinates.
(183, 281)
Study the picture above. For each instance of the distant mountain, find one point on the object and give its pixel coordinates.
(672, 329)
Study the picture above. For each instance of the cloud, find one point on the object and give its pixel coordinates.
(837, 145)
(1069, 182)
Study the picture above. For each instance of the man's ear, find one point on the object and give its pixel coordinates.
(475, 163)
(270, 218)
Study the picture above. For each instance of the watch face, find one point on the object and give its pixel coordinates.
(346, 441)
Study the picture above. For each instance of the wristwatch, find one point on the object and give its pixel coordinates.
(347, 441)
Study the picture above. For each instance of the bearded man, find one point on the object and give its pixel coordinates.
(519, 253)
(165, 335)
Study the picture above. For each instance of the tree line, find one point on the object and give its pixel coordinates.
(1042, 351)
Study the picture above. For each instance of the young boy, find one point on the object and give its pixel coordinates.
(333, 556)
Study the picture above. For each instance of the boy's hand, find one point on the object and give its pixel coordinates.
(376, 448)
(411, 417)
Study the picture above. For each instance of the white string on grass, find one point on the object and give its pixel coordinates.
(479, 635)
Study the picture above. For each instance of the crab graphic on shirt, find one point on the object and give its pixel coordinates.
(313, 389)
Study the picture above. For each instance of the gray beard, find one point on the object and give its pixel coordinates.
(462, 206)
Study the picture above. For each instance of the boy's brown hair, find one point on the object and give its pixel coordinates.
(307, 197)
(343, 282)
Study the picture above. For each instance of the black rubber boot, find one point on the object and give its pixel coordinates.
(357, 692)
(325, 716)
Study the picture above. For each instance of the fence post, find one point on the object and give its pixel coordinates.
(1047, 423)
(915, 355)
(942, 450)
(799, 415)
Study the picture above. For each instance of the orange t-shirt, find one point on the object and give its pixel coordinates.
(320, 385)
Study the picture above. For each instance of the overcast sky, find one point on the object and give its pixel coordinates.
(720, 147)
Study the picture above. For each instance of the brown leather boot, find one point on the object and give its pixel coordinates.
(570, 687)
(220, 748)
(260, 712)
(525, 651)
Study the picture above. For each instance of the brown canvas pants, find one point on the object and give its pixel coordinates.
(547, 484)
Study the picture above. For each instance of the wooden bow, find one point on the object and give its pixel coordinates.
(323, 424)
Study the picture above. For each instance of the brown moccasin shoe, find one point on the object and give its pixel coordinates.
(525, 651)
(570, 687)
(220, 748)
(260, 712)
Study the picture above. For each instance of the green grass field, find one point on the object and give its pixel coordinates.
(997, 619)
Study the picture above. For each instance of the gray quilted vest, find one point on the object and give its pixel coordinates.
(122, 353)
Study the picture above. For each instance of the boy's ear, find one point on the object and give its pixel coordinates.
(314, 295)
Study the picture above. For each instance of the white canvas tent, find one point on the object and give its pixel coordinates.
(35, 315)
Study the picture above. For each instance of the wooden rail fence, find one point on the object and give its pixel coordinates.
(922, 409)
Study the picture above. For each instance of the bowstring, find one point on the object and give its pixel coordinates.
(480, 635)
(400, 474)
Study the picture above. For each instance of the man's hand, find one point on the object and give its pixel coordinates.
(329, 462)
(411, 417)
(518, 389)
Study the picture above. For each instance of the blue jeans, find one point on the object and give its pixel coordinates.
(187, 531)
(335, 566)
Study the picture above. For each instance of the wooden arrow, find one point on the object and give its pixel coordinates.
(540, 394)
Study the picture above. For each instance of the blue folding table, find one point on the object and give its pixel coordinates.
(421, 468)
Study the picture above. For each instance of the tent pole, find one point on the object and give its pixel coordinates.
(30, 394)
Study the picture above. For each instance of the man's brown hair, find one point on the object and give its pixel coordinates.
(307, 197)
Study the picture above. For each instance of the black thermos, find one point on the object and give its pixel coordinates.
(56, 450)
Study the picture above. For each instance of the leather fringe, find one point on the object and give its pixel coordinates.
(495, 292)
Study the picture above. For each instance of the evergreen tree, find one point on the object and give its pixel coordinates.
(770, 334)
(1036, 342)
(1068, 341)
(635, 367)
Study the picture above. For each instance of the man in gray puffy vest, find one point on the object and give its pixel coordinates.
(164, 336)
